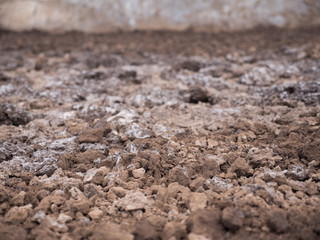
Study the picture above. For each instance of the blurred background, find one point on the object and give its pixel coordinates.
(114, 15)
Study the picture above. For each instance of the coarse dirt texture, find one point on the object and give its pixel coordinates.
(160, 135)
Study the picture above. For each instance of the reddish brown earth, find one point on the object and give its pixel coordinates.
(160, 135)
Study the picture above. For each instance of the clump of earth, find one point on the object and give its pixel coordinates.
(160, 135)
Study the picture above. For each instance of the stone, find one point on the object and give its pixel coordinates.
(145, 230)
(88, 156)
(55, 225)
(197, 201)
(79, 201)
(82, 206)
(39, 216)
(196, 183)
(138, 173)
(212, 143)
(96, 214)
(206, 222)
(64, 218)
(134, 200)
(201, 142)
(174, 230)
(232, 219)
(12, 232)
(180, 175)
(119, 191)
(18, 200)
(259, 76)
(241, 168)
(110, 231)
(3, 194)
(96, 175)
(91, 136)
(277, 221)
(193, 236)
(18, 214)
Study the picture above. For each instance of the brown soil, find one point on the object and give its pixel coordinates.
(160, 135)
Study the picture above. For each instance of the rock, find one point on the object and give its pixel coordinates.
(40, 104)
(274, 176)
(197, 94)
(144, 230)
(232, 219)
(110, 231)
(46, 170)
(39, 216)
(82, 206)
(91, 136)
(91, 190)
(79, 201)
(7, 151)
(298, 172)
(134, 200)
(64, 218)
(241, 168)
(212, 144)
(54, 225)
(196, 183)
(11, 115)
(177, 191)
(174, 230)
(18, 200)
(119, 191)
(96, 175)
(190, 65)
(201, 142)
(138, 173)
(12, 232)
(3, 194)
(206, 222)
(18, 214)
(277, 221)
(180, 175)
(134, 131)
(197, 201)
(89, 156)
(259, 76)
(96, 214)
(193, 236)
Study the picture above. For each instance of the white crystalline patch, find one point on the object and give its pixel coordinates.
(7, 89)
(137, 100)
(124, 117)
(136, 131)
(39, 216)
(218, 159)
(298, 171)
(161, 130)
(110, 110)
(274, 174)
(111, 177)
(199, 79)
(61, 144)
(20, 164)
(221, 183)
(60, 227)
(89, 175)
(260, 76)
(132, 148)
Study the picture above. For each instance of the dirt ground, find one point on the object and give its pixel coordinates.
(160, 135)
